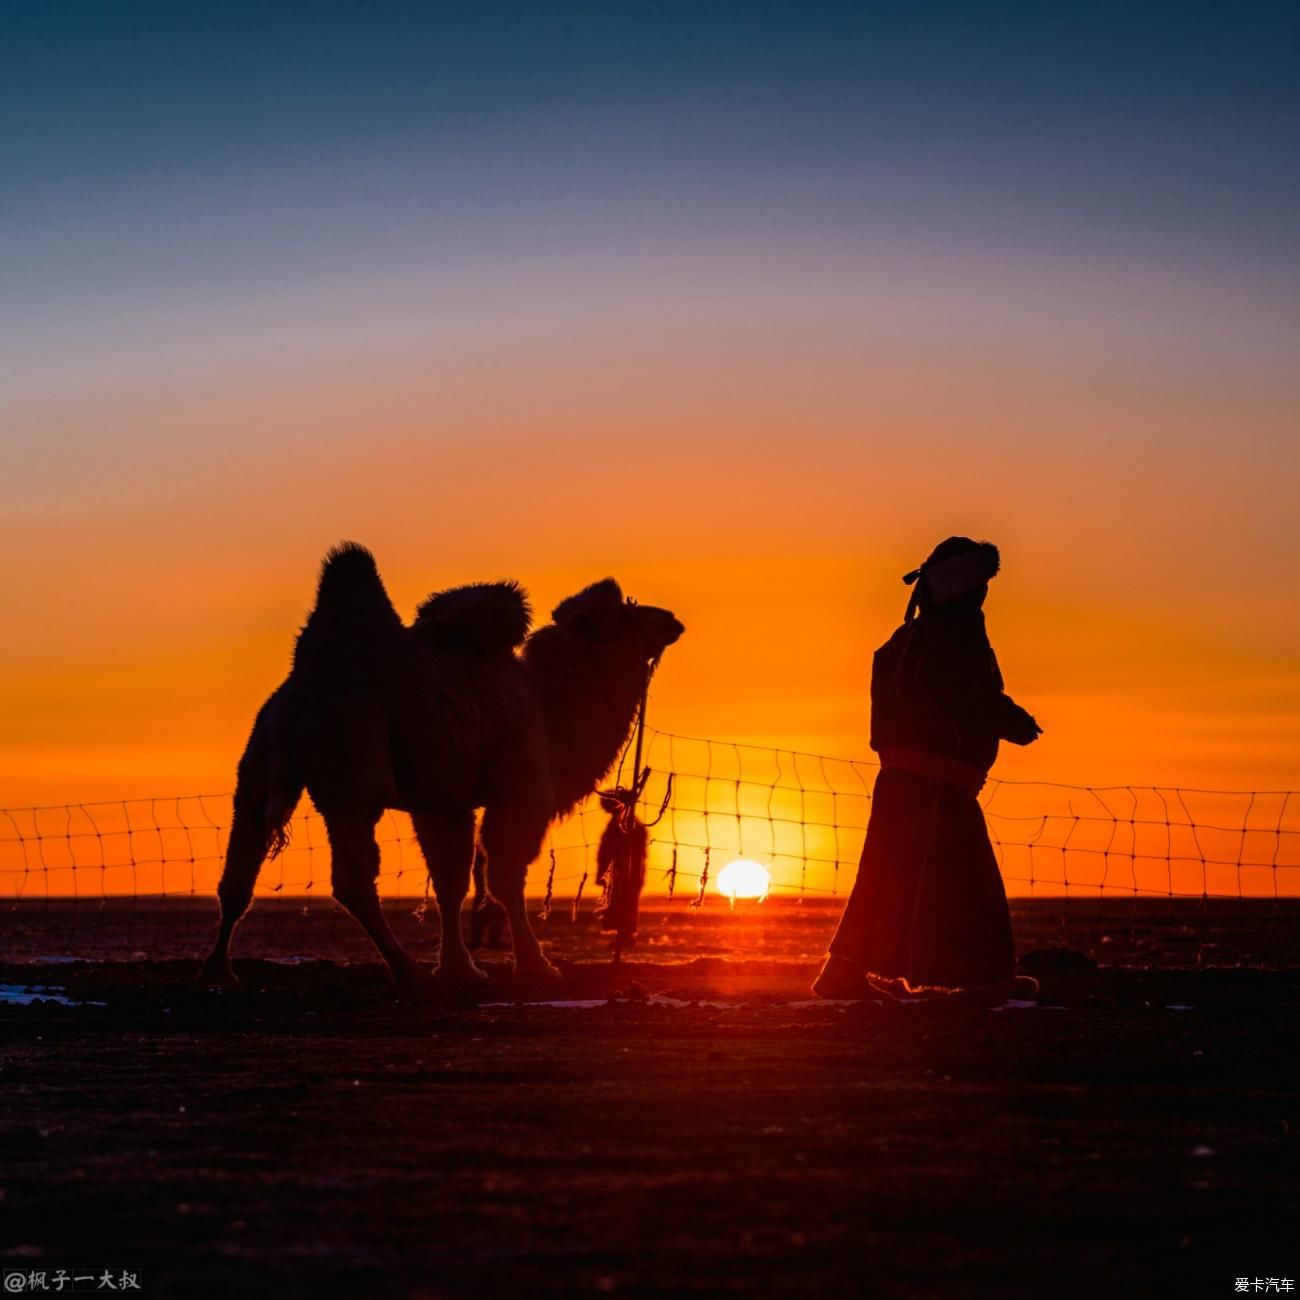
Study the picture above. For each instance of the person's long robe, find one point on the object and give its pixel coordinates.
(928, 903)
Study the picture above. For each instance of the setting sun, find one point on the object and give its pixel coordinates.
(744, 879)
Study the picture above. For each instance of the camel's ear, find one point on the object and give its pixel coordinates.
(583, 611)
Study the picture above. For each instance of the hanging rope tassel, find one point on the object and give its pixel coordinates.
(550, 889)
(704, 881)
(620, 863)
(621, 853)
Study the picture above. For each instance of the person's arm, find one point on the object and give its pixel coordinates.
(1015, 723)
(966, 681)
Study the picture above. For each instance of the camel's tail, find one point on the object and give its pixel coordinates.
(480, 878)
(269, 786)
(487, 918)
(353, 618)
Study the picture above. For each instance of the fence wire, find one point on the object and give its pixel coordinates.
(137, 878)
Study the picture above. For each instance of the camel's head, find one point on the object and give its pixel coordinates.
(600, 614)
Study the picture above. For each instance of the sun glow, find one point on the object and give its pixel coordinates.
(744, 878)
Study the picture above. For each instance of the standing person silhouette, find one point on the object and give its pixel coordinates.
(928, 908)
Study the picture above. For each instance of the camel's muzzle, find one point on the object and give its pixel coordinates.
(659, 628)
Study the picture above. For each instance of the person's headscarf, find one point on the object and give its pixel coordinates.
(955, 568)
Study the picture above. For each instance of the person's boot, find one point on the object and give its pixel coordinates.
(891, 987)
(841, 978)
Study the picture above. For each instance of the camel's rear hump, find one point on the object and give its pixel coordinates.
(353, 623)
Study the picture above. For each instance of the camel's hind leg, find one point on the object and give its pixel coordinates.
(266, 793)
(245, 853)
(512, 838)
(447, 842)
(355, 865)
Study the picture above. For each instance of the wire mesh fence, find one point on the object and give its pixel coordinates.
(1158, 874)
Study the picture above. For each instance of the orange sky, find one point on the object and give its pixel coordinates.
(745, 306)
(771, 493)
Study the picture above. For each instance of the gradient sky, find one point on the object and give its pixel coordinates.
(747, 304)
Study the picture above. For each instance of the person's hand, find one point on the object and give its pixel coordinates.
(1022, 729)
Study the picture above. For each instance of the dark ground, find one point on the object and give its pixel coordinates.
(309, 1135)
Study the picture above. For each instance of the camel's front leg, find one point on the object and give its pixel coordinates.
(355, 865)
(447, 842)
(512, 837)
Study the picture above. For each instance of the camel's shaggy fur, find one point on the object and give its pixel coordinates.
(439, 719)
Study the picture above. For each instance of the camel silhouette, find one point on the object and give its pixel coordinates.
(462, 710)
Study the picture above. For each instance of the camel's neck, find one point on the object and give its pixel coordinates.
(589, 709)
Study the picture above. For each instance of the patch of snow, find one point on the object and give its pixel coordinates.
(23, 995)
(837, 1004)
(660, 1000)
(564, 1004)
(588, 1004)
